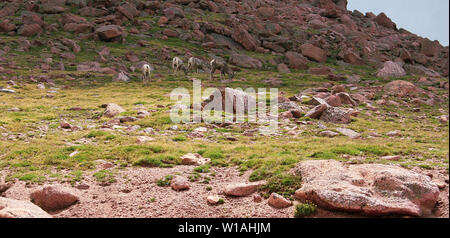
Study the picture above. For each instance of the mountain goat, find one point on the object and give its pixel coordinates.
(195, 64)
(223, 67)
(146, 72)
(178, 64)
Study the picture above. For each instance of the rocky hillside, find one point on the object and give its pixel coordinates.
(362, 112)
(296, 32)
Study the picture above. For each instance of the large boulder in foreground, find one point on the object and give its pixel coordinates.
(11, 208)
(401, 88)
(371, 189)
(52, 198)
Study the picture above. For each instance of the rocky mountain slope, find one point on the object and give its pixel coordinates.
(296, 31)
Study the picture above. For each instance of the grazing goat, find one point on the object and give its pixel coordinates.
(178, 64)
(195, 64)
(146, 72)
(223, 67)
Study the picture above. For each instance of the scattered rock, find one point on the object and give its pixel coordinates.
(193, 159)
(394, 134)
(314, 53)
(4, 187)
(180, 183)
(109, 33)
(391, 157)
(213, 200)
(336, 115)
(278, 201)
(257, 198)
(245, 61)
(328, 134)
(316, 111)
(443, 119)
(51, 198)
(391, 69)
(121, 77)
(11, 208)
(401, 88)
(348, 132)
(113, 110)
(144, 139)
(241, 189)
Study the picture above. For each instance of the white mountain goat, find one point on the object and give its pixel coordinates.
(178, 64)
(223, 67)
(147, 72)
(195, 64)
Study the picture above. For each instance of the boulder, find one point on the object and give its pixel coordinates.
(213, 200)
(170, 33)
(179, 183)
(11, 208)
(89, 67)
(52, 198)
(278, 201)
(144, 139)
(29, 30)
(346, 99)
(193, 159)
(328, 134)
(391, 69)
(242, 189)
(78, 27)
(128, 10)
(349, 132)
(112, 110)
(371, 189)
(245, 61)
(314, 53)
(51, 9)
(241, 35)
(317, 111)
(109, 32)
(385, 21)
(266, 12)
(324, 70)
(334, 101)
(429, 48)
(92, 12)
(240, 98)
(296, 60)
(6, 26)
(335, 115)
(420, 70)
(401, 88)
(32, 18)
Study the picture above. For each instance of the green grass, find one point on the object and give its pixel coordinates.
(31, 157)
(164, 182)
(304, 209)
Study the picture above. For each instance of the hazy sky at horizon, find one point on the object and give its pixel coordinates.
(428, 18)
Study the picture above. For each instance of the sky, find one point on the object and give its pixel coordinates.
(426, 18)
